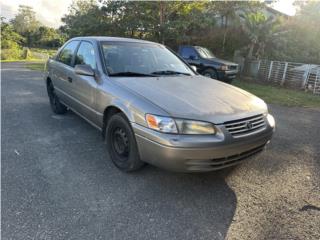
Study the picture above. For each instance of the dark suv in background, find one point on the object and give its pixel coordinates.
(207, 64)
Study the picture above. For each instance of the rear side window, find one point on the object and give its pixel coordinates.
(67, 53)
(186, 52)
(86, 55)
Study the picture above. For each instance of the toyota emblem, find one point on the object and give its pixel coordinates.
(249, 125)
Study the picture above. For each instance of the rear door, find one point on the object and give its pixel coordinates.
(63, 71)
(84, 87)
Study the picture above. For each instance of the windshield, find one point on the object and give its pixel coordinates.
(141, 59)
(205, 53)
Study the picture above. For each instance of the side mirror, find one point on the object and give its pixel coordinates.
(193, 57)
(84, 69)
(194, 68)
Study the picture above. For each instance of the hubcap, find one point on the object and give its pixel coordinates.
(120, 142)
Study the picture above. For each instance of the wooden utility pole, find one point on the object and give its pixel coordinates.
(161, 23)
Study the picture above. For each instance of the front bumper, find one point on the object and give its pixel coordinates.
(227, 75)
(185, 153)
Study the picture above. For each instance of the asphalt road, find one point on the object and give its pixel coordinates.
(58, 181)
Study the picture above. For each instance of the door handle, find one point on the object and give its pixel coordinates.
(69, 79)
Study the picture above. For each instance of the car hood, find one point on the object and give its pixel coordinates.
(218, 60)
(195, 97)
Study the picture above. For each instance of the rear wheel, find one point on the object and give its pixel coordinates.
(211, 73)
(121, 144)
(56, 106)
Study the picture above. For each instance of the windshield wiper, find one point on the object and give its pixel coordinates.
(169, 72)
(130, 74)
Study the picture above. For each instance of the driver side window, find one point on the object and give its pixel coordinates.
(86, 55)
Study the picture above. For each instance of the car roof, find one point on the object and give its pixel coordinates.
(113, 39)
(193, 46)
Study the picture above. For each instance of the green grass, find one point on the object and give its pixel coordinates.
(37, 66)
(280, 95)
(20, 60)
(34, 54)
(50, 51)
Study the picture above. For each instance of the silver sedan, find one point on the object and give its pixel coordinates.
(152, 107)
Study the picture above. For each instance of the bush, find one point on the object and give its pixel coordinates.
(17, 53)
(10, 50)
(11, 54)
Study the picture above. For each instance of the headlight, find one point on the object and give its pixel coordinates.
(194, 127)
(224, 67)
(182, 126)
(162, 124)
(271, 120)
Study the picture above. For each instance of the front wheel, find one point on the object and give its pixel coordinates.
(211, 73)
(121, 144)
(228, 81)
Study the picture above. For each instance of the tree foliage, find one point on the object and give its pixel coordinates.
(10, 41)
(31, 31)
(222, 26)
(261, 30)
(25, 23)
(168, 22)
(300, 40)
(9, 37)
(47, 37)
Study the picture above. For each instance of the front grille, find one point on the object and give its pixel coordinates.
(233, 67)
(218, 163)
(246, 126)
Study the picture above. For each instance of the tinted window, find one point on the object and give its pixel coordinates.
(85, 55)
(186, 52)
(67, 52)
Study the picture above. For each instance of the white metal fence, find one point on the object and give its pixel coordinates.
(290, 74)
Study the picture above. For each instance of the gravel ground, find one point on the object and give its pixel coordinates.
(58, 181)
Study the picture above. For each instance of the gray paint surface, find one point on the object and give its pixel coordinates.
(196, 97)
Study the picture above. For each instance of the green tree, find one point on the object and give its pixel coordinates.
(158, 20)
(47, 37)
(10, 41)
(25, 23)
(9, 38)
(260, 30)
(84, 18)
(229, 13)
(301, 42)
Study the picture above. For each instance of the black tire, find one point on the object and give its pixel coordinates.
(121, 144)
(228, 81)
(56, 106)
(209, 72)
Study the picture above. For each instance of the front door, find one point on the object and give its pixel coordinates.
(62, 72)
(84, 87)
